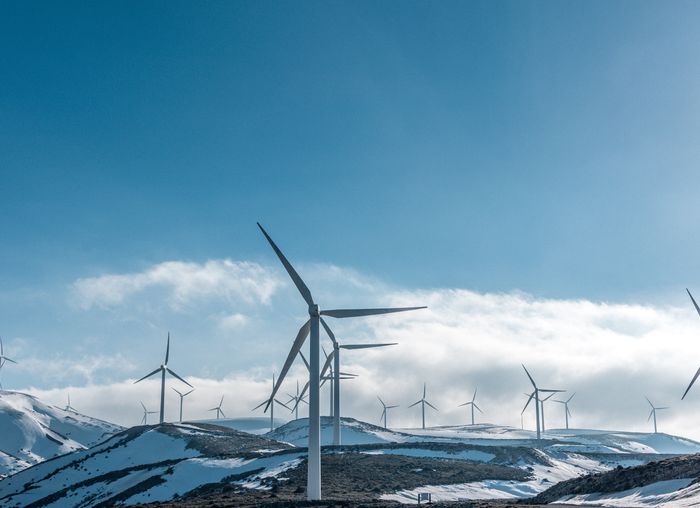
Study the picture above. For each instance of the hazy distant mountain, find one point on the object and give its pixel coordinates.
(31, 431)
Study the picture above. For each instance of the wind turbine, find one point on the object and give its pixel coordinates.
(473, 405)
(336, 373)
(68, 406)
(163, 369)
(182, 396)
(146, 412)
(385, 409)
(311, 327)
(567, 413)
(218, 409)
(423, 402)
(296, 399)
(272, 406)
(698, 371)
(4, 359)
(654, 409)
(536, 395)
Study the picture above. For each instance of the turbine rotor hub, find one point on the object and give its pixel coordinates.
(314, 311)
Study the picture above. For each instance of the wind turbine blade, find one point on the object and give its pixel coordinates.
(328, 331)
(659, 408)
(478, 409)
(177, 391)
(186, 394)
(305, 293)
(222, 412)
(261, 404)
(283, 404)
(167, 350)
(552, 391)
(6, 359)
(547, 397)
(652, 412)
(380, 400)
(308, 367)
(474, 397)
(296, 347)
(569, 399)
(531, 380)
(173, 373)
(366, 346)
(346, 313)
(148, 375)
(327, 364)
(465, 404)
(392, 407)
(652, 405)
(144, 407)
(694, 302)
(528, 402)
(436, 409)
(568, 411)
(415, 403)
(691, 384)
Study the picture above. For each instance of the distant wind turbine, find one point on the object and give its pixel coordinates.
(182, 396)
(163, 369)
(567, 412)
(311, 327)
(473, 405)
(4, 359)
(423, 402)
(385, 410)
(218, 409)
(542, 401)
(698, 371)
(654, 409)
(536, 395)
(272, 406)
(146, 412)
(68, 406)
(296, 399)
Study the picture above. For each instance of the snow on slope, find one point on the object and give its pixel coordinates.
(353, 432)
(148, 464)
(31, 431)
(253, 425)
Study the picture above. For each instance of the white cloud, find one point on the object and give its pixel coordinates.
(232, 321)
(183, 282)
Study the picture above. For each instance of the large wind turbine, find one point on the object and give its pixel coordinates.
(182, 396)
(336, 375)
(385, 410)
(423, 402)
(536, 395)
(311, 327)
(163, 369)
(698, 371)
(567, 413)
(473, 405)
(218, 409)
(272, 406)
(146, 412)
(654, 409)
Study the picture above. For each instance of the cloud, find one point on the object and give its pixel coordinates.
(232, 321)
(183, 283)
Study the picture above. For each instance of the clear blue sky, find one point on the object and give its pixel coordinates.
(550, 147)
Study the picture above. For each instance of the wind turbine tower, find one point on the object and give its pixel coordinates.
(163, 369)
(311, 327)
(536, 395)
(68, 406)
(423, 403)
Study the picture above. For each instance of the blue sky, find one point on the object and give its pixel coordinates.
(548, 148)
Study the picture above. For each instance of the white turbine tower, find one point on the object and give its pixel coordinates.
(272, 406)
(218, 409)
(385, 410)
(567, 412)
(296, 399)
(536, 395)
(146, 412)
(163, 369)
(423, 403)
(311, 327)
(68, 406)
(542, 401)
(336, 375)
(182, 396)
(654, 409)
(473, 405)
(698, 371)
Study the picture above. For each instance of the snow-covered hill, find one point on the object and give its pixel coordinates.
(252, 425)
(31, 431)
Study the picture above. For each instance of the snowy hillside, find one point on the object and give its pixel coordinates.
(31, 431)
(353, 432)
(148, 464)
(252, 425)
